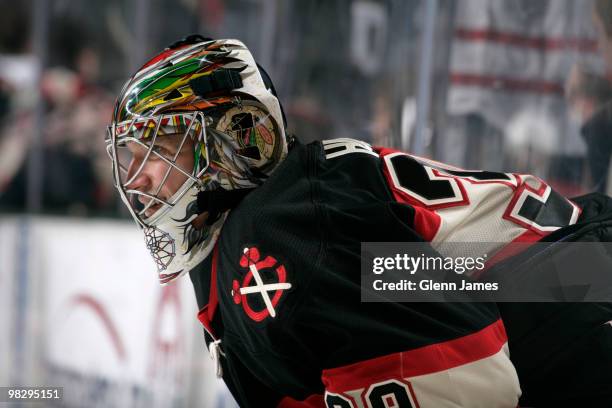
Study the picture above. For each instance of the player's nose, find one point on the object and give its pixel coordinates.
(137, 178)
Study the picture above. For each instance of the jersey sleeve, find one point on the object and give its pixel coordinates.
(457, 205)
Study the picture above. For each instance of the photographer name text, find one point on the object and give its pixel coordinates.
(411, 265)
(430, 285)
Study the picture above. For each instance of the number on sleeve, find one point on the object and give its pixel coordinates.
(389, 394)
(435, 186)
(337, 401)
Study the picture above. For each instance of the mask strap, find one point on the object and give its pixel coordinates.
(221, 80)
(216, 202)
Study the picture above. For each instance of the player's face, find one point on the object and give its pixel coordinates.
(158, 177)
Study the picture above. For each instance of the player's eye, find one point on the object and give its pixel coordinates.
(161, 151)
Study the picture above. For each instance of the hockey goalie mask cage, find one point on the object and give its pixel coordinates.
(197, 117)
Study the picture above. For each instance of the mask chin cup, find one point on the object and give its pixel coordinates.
(175, 243)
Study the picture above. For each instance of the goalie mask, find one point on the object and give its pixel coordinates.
(192, 130)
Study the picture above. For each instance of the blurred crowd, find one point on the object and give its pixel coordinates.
(589, 95)
(343, 68)
(75, 175)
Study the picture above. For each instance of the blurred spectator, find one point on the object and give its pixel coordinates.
(74, 127)
(76, 177)
(308, 119)
(590, 98)
(508, 64)
(17, 74)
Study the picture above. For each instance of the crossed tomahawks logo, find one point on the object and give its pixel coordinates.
(254, 284)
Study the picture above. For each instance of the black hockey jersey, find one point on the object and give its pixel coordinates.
(280, 297)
